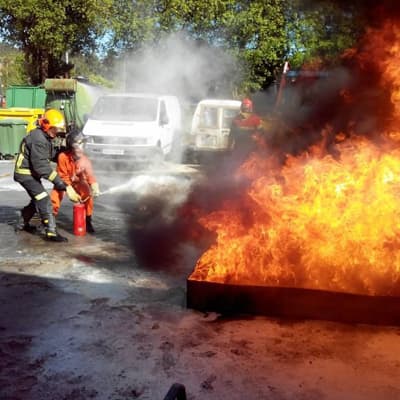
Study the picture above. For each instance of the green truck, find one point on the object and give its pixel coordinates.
(25, 104)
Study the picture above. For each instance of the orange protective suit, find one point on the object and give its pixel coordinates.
(245, 130)
(78, 174)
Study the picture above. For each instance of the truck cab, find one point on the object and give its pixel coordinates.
(133, 127)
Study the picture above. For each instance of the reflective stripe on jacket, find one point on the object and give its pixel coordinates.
(36, 151)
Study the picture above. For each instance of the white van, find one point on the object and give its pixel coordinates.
(211, 125)
(133, 127)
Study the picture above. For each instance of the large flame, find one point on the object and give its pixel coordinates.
(320, 221)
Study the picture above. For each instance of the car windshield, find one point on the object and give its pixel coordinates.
(124, 108)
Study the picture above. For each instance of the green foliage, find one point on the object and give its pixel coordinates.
(318, 32)
(100, 81)
(45, 30)
(132, 26)
(11, 68)
(260, 35)
(90, 67)
(254, 31)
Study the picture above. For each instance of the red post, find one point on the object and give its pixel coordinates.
(79, 219)
(282, 85)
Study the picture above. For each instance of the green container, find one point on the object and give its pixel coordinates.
(76, 104)
(12, 131)
(25, 96)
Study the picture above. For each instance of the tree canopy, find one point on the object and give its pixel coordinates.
(46, 30)
(259, 35)
(12, 70)
(319, 31)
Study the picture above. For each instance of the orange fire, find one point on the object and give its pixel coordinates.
(320, 221)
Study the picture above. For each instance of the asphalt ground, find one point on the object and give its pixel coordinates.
(91, 319)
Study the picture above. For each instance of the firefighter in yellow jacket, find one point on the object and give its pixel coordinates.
(33, 164)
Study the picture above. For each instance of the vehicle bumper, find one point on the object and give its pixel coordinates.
(122, 152)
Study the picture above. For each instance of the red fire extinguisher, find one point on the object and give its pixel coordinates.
(79, 219)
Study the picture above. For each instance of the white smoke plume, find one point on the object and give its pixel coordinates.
(155, 198)
(190, 70)
(179, 66)
(173, 190)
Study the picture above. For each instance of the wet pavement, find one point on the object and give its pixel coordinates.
(87, 320)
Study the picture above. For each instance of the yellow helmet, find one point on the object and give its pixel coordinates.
(53, 118)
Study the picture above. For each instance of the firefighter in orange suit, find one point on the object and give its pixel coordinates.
(32, 165)
(247, 119)
(245, 126)
(76, 170)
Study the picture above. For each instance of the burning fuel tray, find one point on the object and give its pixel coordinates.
(293, 303)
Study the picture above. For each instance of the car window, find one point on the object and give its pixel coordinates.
(209, 117)
(227, 116)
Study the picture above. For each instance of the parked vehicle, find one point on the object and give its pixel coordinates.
(211, 126)
(136, 127)
(25, 104)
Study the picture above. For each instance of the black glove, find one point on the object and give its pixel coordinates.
(60, 185)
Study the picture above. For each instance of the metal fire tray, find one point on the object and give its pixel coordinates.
(293, 303)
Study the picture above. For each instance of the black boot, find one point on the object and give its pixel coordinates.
(55, 237)
(26, 215)
(22, 225)
(89, 226)
(50, 232)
